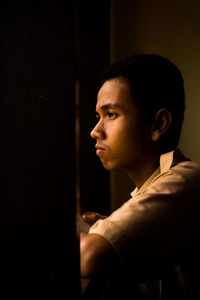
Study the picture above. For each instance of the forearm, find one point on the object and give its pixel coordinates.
(87, 255)
(98, 257)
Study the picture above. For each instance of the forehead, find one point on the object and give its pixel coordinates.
(116, 92)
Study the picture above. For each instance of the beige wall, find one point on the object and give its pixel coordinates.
(172, 29)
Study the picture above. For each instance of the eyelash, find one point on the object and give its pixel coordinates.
(110, 115)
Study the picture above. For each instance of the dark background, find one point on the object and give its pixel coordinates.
(93, 56)
(47, 48)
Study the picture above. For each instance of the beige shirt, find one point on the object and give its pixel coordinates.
(158, 228)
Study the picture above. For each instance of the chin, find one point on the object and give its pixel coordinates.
(110, 167)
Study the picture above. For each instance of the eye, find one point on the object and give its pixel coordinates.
(112, 115)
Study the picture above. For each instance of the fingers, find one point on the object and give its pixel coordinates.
(92, 217)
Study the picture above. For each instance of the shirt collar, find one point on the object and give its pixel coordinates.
(167, 160)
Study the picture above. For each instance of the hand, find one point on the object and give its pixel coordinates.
(83, 225)
(92, 217)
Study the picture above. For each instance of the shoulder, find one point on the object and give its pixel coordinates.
(182, 179)
(174, 164)
(188, 170)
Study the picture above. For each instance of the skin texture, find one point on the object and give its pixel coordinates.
(124, 142)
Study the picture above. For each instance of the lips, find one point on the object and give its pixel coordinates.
(100, 149)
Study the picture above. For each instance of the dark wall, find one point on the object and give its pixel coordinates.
(38, 245)
(93, 56)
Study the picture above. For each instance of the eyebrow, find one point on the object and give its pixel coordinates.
(110, 106)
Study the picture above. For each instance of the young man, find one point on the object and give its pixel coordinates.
(152, 239)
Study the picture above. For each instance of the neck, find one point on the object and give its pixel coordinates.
(139, 174)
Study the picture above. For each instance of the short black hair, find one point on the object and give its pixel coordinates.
(155, 83)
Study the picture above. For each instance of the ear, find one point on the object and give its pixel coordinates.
(162, 122)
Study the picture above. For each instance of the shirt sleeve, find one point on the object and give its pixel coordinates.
(157, 227)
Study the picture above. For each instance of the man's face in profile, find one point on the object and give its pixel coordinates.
(121, 138)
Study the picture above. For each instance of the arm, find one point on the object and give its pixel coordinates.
(98, 256)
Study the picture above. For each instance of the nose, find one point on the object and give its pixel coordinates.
(98, 132)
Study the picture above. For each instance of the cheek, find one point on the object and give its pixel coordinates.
(132, 139)
(118, 136)
(126, 134)
(122, 141)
